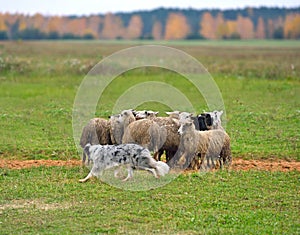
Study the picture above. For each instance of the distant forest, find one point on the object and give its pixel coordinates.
(158, 24)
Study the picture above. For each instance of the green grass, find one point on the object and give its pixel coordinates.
(49, 200)
(39, 81)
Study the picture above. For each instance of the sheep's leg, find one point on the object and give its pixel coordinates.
(208, 161)
(202, 159)
(156, 156)
(221, 163)
(194, 164)
(213, 162)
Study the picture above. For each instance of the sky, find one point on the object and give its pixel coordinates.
(87, 7)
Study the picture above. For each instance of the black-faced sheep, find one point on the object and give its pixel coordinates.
(212, 145)
(201, 121)
(97, 131)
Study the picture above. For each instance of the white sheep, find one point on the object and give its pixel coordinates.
(212, 145)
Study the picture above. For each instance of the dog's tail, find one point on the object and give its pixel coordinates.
(162, 168)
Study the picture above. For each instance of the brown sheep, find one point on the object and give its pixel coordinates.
(146, 133)
(97, 131)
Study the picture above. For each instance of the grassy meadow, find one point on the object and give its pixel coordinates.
(260, 85)
(39, 81)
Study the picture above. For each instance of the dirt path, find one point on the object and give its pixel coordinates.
(237, 164)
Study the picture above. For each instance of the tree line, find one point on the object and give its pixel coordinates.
(158, 24)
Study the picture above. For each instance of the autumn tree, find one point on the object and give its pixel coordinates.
(3, 26)
(245, 27)
(292, 26)
(207, 26)
(177, 27)
(112, 27)
(22, 23)
(135, 27)
(157, 33)
(231, 26)
(94, 25)
(56, 24)
(270, 28)
(260, 29)
(220, 26)
(39, 22)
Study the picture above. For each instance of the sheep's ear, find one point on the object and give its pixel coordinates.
(156, 113)
(221, 112)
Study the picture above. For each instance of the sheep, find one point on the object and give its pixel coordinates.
(116, 129)
(200, 121)
(212, 145)
(97, 131)
(146, 133)
(170, 127)
(144, 114)
(215, 122)
(204, 121)
(119, 124)
(168, 133)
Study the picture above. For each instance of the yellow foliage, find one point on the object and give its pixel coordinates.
(177, 27)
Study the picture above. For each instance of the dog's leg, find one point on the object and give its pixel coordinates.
(149, 169)
(86, 178)
(130, 173)
(116, 172)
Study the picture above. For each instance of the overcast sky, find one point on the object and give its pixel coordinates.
(86, 7)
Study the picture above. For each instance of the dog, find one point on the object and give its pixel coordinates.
(131, 155)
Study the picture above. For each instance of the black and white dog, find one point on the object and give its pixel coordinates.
(131, 155)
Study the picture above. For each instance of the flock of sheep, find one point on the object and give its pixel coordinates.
(183, 140)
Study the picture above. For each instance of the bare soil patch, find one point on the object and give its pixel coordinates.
(237, 164)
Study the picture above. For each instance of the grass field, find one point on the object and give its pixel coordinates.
(260, 85)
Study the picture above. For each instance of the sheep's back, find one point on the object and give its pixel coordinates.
(144, 132)
(170, 126)
(97, 131)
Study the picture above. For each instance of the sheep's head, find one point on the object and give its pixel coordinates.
(202, 123)
(151, 114)
(185, 117)
(184, 127)
(145, 114)
(174, 114)
(139, 114)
